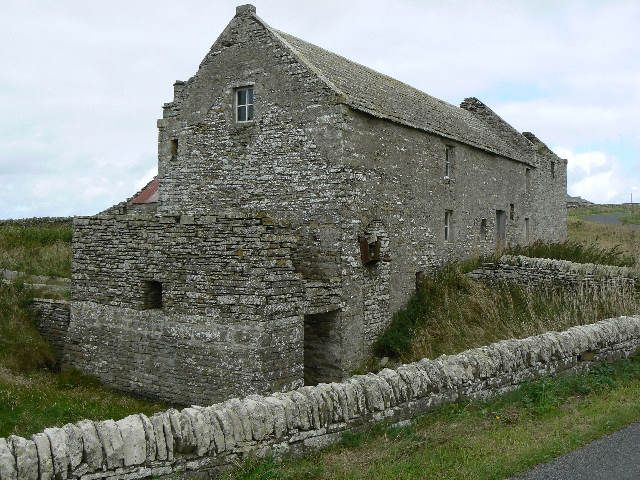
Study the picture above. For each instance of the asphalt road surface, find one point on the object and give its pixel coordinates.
(614, 457)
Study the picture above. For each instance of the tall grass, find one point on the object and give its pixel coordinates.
(606, 236)
(36, 249)
(22, 348)
(33, 394)
(452, 312)
(576, 252)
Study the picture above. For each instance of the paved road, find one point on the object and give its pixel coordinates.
(614, 457)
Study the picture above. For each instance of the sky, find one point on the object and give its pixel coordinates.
(82, 83)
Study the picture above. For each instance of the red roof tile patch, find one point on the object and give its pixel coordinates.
(149, 194)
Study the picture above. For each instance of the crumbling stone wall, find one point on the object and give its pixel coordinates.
(582, 277)
(203, 440)
(52, 321)
(230, 321)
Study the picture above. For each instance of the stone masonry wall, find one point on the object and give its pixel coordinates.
(230, 320)
(202, 440)
(582, 277)
(52, 321)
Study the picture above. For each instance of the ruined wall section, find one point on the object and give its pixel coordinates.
(201, 441)
(549, 189)
(230, 319)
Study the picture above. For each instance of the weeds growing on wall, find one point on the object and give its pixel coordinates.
(452, 312)
(576, 252)
(36, 249)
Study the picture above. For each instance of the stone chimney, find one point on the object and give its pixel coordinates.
(247, 9)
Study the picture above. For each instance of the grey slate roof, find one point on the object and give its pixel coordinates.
(379, 95)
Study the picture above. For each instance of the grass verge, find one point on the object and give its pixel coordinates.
(481, 440)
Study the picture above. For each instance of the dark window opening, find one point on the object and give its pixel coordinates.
(527, 231)
(448, 233)
(322, 348)
(553, 169)
(483, 228)
(174, 148)
(448, 161)
(512, 211)
(370, 252)
(152, 294)
(501, 228)
(244, 104)
(419, 279)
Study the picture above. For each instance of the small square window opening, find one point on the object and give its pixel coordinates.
(244, 104)
(512, 211)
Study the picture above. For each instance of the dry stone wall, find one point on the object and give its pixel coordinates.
(52, 321)
(202, 440)
(559, 273)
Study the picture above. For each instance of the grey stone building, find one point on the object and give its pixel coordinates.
(298, 196)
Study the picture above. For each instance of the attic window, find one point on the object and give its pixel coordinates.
(152, 291)
(448, 161)
(244, 104)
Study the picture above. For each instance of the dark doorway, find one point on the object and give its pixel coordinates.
(501, 229)
(321, 348)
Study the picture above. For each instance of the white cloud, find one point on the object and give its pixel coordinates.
(597, 177)
(81, 97)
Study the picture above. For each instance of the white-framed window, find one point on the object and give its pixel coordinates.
(448, 234)
(244, 104)
(449, 154)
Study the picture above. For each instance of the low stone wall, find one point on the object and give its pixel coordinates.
(52, 320)
(546, 272)
(206, 439)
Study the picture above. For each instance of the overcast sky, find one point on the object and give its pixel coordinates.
(83, 82)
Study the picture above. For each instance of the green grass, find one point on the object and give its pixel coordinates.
(478, 440)
(574, 251)
(22, 349)
(452, 312)
(631, 217)
(31, 402)
(36, 249)
(33, 393)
